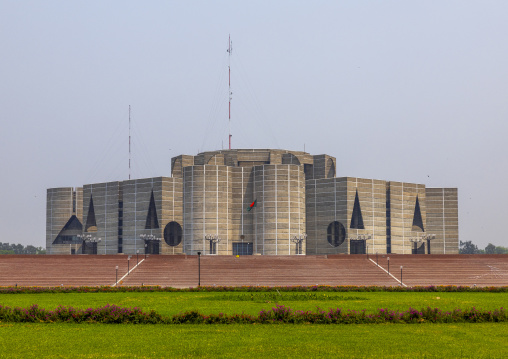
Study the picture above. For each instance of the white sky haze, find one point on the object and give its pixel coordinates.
(413, 91)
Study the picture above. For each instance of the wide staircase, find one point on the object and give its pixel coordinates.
(465, 270)
(184, 271)
(187, 271)
(58, 270)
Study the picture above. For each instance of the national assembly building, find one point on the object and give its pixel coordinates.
(252, 202)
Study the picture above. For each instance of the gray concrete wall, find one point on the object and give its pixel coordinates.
(443, 220)
(402, 207)
(105, 201)
(326, 202)
(280, 211)
(330, 200)
(171, 210)
(61, 205)
(207, 197)
(136, 200)
(372, 197)
(241, 220)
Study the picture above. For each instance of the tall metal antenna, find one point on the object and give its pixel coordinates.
(230, 50)
(129, 141)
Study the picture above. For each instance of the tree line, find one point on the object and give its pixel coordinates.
(469, 247)
(6, 248)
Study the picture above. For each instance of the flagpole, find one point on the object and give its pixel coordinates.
(255, 249)
(230, 49)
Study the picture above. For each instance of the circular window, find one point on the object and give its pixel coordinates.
(336, 234)
(173, 234)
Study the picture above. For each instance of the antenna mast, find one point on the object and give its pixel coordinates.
(129, 141)
(230, 50)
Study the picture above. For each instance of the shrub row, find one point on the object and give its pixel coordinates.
(108, 314)
(111, 314)
(315, 288)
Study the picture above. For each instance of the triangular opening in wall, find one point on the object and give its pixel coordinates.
(331, 169)
(356, 218)
(417, 217)
(91, 224)
(151, 218)
(69, 232)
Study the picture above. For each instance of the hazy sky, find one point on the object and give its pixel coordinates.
(395, 90)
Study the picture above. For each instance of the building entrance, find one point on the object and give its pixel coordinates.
(243, 249)
(419, 250)
(357, 246)
(89, 247)
(152, 247)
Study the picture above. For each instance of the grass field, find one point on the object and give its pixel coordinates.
(254, 341)
(244, 341)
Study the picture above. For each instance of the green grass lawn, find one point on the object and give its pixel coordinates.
(256, 341)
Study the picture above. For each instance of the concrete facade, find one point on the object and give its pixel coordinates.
(205, 207)
(443, 219)
(332, 200)
(62, 205)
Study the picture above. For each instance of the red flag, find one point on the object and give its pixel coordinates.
(252, 205)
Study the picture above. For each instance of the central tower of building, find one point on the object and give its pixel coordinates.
(253, 200)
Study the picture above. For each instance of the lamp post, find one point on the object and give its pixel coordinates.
(401, 275)
(213, 239)
(415, 241)
(116, 281)
(429, 237)
(128, 265)
(388, 264)
(137, 257)
(199, 269)
(298, 240)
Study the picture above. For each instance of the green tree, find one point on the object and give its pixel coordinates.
(469, 248)
(501, 250)
(6, 248)
(490, 249)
